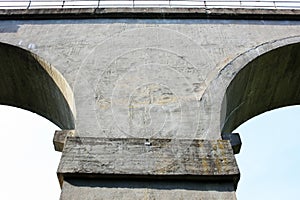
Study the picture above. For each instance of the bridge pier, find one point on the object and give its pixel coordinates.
(150, 94)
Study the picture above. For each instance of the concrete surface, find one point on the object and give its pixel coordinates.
(148, 78)
(154, 159)
(139, 189)
(172, 65)
(28, 82)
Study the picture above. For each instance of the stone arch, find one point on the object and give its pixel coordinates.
(28, 82)
(263, 78)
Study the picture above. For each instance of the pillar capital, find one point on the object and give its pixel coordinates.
(144, 159)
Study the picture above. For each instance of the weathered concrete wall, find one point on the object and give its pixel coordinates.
(135, 157)
(143, 78)
(128, 190)
(171, 79)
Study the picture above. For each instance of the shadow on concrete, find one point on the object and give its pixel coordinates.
(152, 184)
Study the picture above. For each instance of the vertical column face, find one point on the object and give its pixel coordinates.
(84, 189)
(143, 82)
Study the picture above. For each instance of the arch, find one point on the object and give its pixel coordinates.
(28, 82)
(263, 78)
(270, 81)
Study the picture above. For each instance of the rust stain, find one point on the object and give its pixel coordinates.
(218, 165)
(223, 159)
(204, 161)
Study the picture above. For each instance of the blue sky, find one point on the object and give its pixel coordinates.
(269, 159)
(28, 160)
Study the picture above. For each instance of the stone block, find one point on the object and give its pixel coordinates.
(135, 158)
(60, 138)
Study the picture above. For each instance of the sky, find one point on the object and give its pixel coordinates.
(269, 159)
(28, 159)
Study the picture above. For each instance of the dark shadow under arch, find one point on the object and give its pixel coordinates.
(28, 82)
(270, 81)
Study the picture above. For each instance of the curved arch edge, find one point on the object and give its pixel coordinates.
(27, 81)
(218, 87)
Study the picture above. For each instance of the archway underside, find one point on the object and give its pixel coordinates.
(268, 82)
(27, 82)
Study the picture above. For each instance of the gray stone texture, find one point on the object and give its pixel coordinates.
(145, 78)
(60, 138)
(164, 158)
(174, 79)
(155, 190)
(28, 82)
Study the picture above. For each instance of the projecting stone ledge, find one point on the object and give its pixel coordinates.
(60, 138)
(202, 160)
